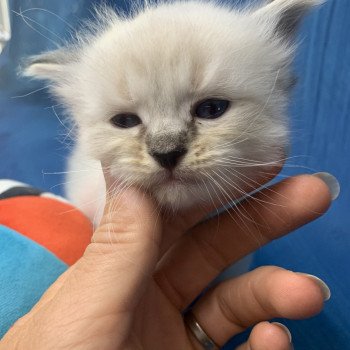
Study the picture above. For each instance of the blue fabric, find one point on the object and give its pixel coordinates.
(30, 145)
(27, 270)
(320, 115)
(32, 140)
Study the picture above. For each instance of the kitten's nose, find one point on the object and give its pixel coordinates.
(170, 159)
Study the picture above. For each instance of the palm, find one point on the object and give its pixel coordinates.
(158, 313)
(108, 301)
(158, 323)
(189, 263)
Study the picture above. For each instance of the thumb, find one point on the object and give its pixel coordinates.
(103, 286)
(122, 256)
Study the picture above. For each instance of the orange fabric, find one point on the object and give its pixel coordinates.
(57, 226)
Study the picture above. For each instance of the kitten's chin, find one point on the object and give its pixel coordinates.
(175, 195)
(178, 194)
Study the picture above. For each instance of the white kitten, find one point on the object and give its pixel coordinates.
(186, 99)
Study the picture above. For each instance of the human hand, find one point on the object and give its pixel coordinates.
(141, 272)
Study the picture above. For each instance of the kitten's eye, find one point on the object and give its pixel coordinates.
(211, 109)
(126, 120)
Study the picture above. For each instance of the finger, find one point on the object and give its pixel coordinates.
(114, 270)
(214, 245)
(268, 336)
(125, 247)
(260, 295)
(54, 288)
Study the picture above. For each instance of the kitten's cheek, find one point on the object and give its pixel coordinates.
(274, 170)
(284, 156)
(271, 172)
(261, 176)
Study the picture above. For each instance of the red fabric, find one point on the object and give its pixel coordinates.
(57, 226)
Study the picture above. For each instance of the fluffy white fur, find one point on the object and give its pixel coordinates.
(157, 64)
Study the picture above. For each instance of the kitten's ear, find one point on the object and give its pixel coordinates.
(51, 65)
(285, 15)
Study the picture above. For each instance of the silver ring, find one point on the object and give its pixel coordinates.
(199, 333)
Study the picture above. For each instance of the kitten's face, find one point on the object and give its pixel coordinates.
(186, 100)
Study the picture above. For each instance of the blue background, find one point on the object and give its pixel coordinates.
(33, 144)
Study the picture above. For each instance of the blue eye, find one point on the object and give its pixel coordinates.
(125, 120)
(211, 109)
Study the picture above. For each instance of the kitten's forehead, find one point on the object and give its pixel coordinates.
(157, 63)
(173, 56)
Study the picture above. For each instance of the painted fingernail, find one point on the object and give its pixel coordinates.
(332, 183)
(285, 329)
(324, 288)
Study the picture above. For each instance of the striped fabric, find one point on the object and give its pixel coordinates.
(40, 236)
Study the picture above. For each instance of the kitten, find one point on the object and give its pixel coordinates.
(185, 99)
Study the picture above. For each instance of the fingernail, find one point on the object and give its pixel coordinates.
(332, 183)
(285, 329)
(324, 288)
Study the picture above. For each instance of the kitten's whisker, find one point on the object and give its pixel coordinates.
(26, 19)
(227, 161)
(49, 12)
(283, 159)
(60, 121)
(69, 134)
(111, 233)
(252, 162)
(232, 204)
(30, 93)
(228, 180)
(56, 105)
(277, 194)
(97, 200)
(275, 175)
(225, 194)
(229, 143)
(122, 186)
(200, 198)
(260, 186)
(215, 205)
(65, 172)
(246, 195)
(63, 184)
(211, 198)
(264, 204)
(90, 169)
